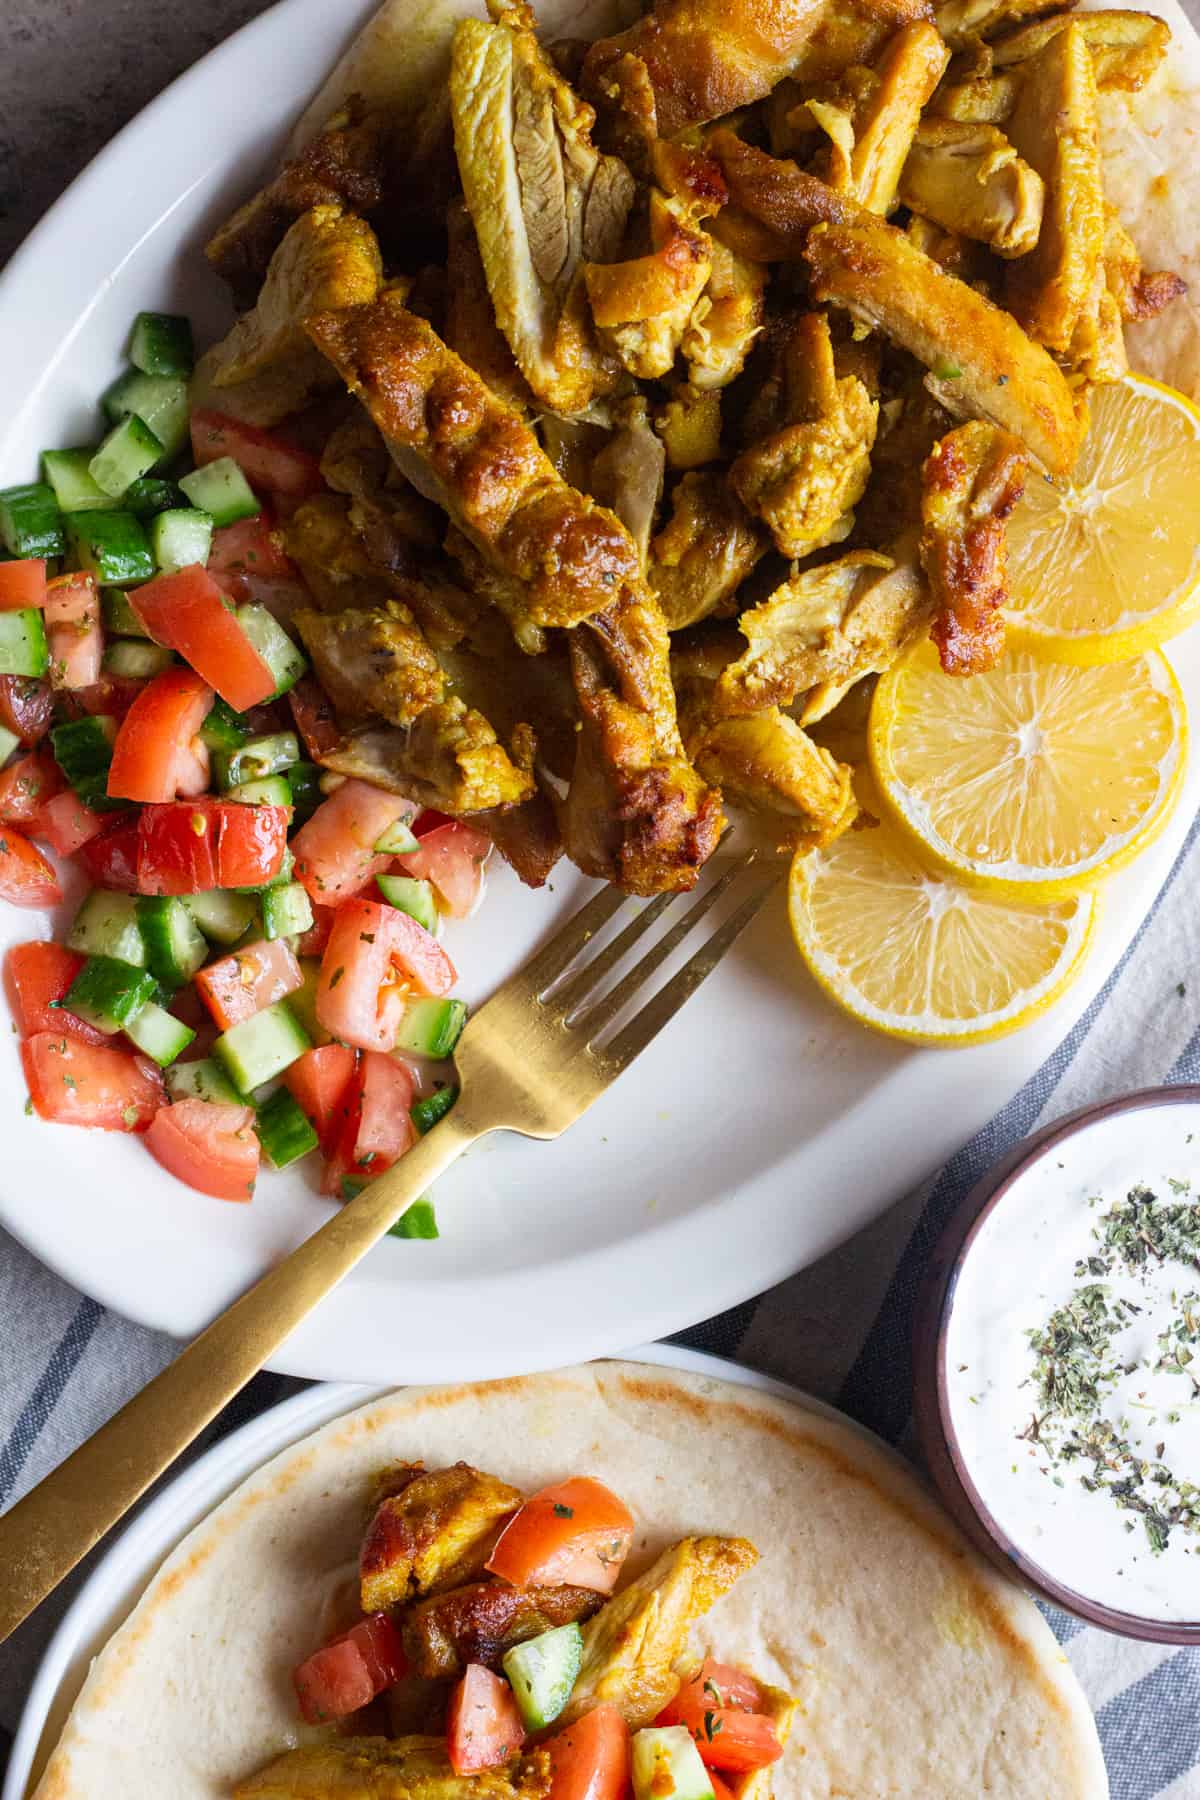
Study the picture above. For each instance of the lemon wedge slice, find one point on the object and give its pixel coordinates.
(1035, 779)
(1105, 564)
(919, 956)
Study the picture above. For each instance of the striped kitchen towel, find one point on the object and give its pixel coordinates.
(840, 1330)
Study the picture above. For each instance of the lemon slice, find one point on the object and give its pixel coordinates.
(918, 955)
(1106, 564)
(1035, 779)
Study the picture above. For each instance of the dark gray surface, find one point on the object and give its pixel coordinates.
(72, 72)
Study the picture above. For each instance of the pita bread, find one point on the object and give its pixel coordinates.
(919, 1670)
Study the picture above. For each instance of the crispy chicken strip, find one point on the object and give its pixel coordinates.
(982, 362)
(962, 21)
(973, 479)
(478, 1623)
(355, 462)
(630, 1648)
(1126, 47)
(437, 1532)
(467, 450)
(641, 308)
(704, 552)
(725, 320)
(981, 100)
(870, 139)
(406, 1768)
(768, 763)
(970, 180)
(773, 205)
(471, 328)
(1055, 127)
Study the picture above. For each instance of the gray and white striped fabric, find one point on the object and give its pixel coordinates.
(839, 1330)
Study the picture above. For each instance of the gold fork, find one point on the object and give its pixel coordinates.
(532, 1059)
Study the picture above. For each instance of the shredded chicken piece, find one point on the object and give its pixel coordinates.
(725, 320)
(983, 100)
(871, 133)
(436, 1533)
(355, 462)
(266, 368)
(1097, 348)
(802, 481)
(373, 661)
(690, 426)
(627, 475)
(527, 837)
(543, 200)
(471, 328)
(972, 480)
(449, 759)
(961, 22)
(772, 204)
(480, 1622)
(467, 450)
(322, 542)
(631, 1647)
(766, 761)
(404, 1768)
(1126, 47)
(704, 552)
(970, 180)
(1055, 127)
(641, 308)
(1138, 295)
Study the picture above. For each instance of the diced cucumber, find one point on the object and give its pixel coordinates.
(205, 1080)
(426, 1113)
(221, 489)
(304, 779)
(398, 840)
(109, 994)
(161, 344)
(8, 743)
(222, 915)
(667, 1765)
(273, 790)
(136, 659)
(30, 521)
(420, 1221)
(107, 925)
(284, 1131)
(23, 647)
(161, 401)
(158, 1035)
(69, 474)
(152, 495)
(128, 452)
(286, 911)
(286, 663)
(180, 538)
(112, 546)
(542, 1672)
(224, 729)
(261, 1047)
(282, 875)
(175, 945)
(255, 760)
(412, 897)
(303, 1001)
(83, 751)
(431, 1027)
(119, 618)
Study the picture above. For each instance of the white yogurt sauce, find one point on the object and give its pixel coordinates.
(1019, 1271)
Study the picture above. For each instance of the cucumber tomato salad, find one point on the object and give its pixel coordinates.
(256, 968)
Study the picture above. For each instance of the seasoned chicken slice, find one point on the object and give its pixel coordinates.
(970, 180)
(448, 759)
(373, 661)
(768, 763)
(1055, 127)
(527, 837)
(961, 22)
(542, 198)
(1097, 348)
(627, 474)
(981, 100)
(355, 462)
(630, 1648)
(478, 1623)
(973, 479)
(467, 450)
(704, 552)
(406, 1768)
(437, 1532)
(829, 624)
(1126, 47)
(322, 542)
(725, 320)
(471, 328)
(689, 425)
(641, 307)
(803, 480)
(982, 363)
(773, 204)
(870, 131)
(266, 364)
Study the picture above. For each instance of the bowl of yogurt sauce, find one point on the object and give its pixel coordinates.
(1057, 1364)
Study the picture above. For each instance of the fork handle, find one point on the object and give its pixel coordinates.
(55, 1525)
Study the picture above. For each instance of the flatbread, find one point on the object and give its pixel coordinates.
(919, 1670)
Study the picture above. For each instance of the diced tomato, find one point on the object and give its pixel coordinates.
(722, 1708)
(721, 1790)
(190, 1010)
(36, 979)
(313, 941)
(73, 1083)
(250, 547)
(26, 707)
(242, 984)
(483, 1725)
(375, 1124)
(265, 459)
(315, 720)
(22, 584)
(381, 1650)
(376, 957)
(590, 1759)
(73, 631)
(187, 846)
(112, 695)
(111, 859)
(157, 754)
(319, 1082)
(26, 785)
(188, 612)
(349, 1672)
(26, 878)
(210, 1146)
(576, 1532)
(66, 824)
(452, 858)
(335, 849)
